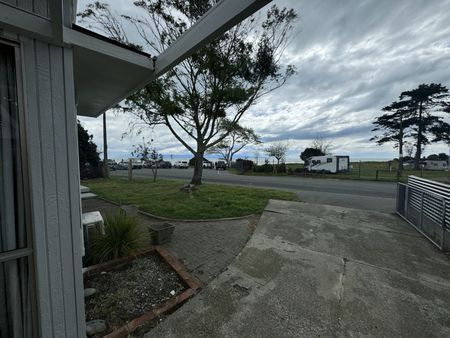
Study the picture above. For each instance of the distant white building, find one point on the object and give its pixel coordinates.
(435, 165)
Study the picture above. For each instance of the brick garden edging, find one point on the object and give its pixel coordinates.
(193, 286)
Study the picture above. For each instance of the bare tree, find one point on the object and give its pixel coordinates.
(257, 156)
(220, 81)
(149, 155)
(322, 144)
(277, 150)
(238, 138)
(409, 149)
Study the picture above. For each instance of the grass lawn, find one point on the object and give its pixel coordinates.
(164, 198)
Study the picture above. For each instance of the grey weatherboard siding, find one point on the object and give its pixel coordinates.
(40, 7)
(53, 162)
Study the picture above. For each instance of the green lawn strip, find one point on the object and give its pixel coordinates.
(165, 199)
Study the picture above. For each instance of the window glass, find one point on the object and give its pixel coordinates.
(13, 229)
(329, 160)
(15, 294)
(15, 299)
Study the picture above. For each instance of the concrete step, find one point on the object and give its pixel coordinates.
(88, 195)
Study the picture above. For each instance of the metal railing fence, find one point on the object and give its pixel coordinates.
(423, 204)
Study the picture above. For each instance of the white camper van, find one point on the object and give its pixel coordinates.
(329, 164)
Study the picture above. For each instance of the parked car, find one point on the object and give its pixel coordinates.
(165, 164)
(147, 164)
(137, 164)
(208, 165)
(122, 165)
(221, 165)
(112, 164)
(181, 165)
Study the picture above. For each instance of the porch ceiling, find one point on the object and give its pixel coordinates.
(106, 73)
(102, 80)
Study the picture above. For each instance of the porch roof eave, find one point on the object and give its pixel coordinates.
(106, 73)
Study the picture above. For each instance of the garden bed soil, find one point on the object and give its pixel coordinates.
(131, 289)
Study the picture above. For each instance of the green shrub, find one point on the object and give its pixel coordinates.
(270, 168)
(265, 168)
(280, 168)
(121, 238)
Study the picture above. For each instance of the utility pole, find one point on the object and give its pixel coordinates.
(448, 161)
(105, 149)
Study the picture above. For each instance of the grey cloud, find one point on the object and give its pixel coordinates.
(353, 57)
(311, 133)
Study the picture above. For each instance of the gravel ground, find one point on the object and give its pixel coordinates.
(136, 288)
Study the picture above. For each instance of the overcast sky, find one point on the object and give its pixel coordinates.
(352, 58)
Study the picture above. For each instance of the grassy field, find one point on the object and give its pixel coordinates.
(164, 198)
(367, 170)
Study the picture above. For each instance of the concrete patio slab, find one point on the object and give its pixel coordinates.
(84, 189)
(87, 195)
(320, 271)
(379, 239)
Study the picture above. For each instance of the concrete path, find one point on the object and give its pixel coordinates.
(321, 271)
(207, 248)
(367, 195)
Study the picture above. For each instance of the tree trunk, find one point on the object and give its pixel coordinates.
(155, 172)
(419, 141)
(230, 160)
(400, 161)
(198, 168)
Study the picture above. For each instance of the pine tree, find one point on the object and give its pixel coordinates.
(423, 102)
(415, 115)
(395, 123)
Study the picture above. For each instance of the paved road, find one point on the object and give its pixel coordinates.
(378, 196)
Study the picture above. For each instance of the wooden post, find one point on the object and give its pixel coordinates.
(130, 170)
